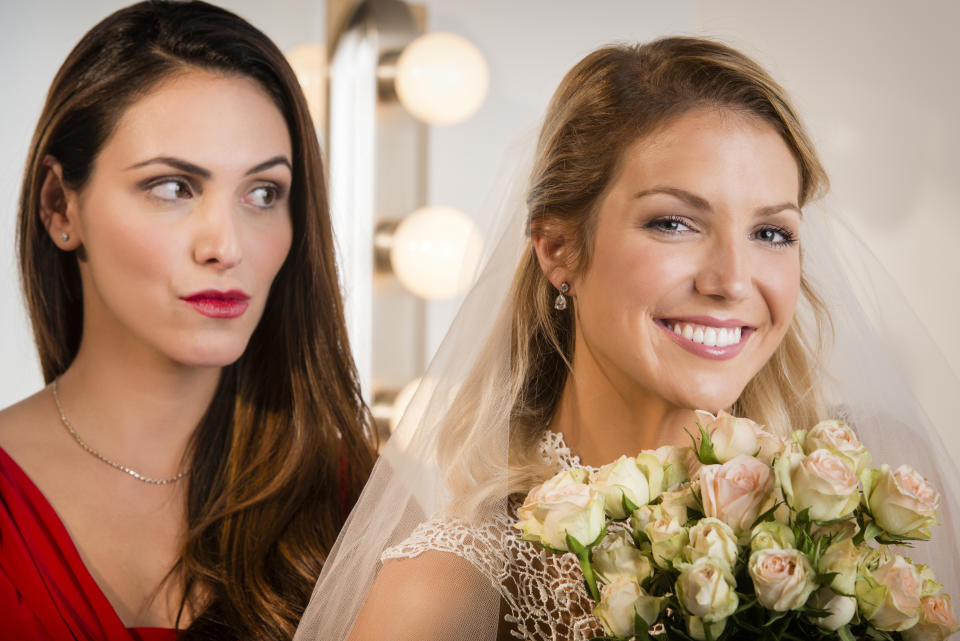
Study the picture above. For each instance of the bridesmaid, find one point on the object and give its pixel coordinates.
(202, 436)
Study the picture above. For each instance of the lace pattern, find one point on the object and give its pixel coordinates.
(544, 593)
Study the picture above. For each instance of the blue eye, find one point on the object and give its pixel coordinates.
(263, 196)
(170, 189)
(776, 236)
(670, 225)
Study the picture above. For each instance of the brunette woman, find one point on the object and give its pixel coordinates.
(202, 435)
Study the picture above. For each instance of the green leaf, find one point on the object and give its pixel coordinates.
(629, 507)
(872, 531)
(641, 629)
(704, 451)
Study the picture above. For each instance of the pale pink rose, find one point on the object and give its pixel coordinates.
(783, 579)
(840, 439)
(563, 505)
(822, 482)
(675, 503)
(901, 502)
(733, 436)
(889, 594)
(937, 620)
(736, 492)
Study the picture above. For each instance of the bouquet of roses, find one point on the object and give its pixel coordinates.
(748, 533)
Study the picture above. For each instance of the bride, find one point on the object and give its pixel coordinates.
(668, 268)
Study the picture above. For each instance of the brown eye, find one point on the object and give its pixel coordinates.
(264, 196)
(170, 190)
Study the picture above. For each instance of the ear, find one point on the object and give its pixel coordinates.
(58, 207)
(553, 249)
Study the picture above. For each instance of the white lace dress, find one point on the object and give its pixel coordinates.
(543, 593)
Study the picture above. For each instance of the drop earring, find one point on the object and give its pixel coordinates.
(560, 302)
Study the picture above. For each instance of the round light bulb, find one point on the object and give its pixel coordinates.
(435, 251)
(309, 63)
(442, 78)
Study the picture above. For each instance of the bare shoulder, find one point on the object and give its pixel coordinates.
(436, 595)
(24, 425)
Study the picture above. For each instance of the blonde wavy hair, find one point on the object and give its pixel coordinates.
(609, 100)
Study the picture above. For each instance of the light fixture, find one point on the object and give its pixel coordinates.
(309, 62)
(441, 78)
(433, 252)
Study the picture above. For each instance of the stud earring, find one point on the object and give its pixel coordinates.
(64, 236)
(560, 302)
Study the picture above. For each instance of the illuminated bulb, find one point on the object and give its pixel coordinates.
(442, 78)
(309, 62)
(435, 251)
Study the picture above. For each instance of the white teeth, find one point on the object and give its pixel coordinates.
(709, 336)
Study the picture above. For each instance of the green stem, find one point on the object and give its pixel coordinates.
(588, 574)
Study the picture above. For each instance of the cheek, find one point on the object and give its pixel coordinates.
(779, 283)
(269, 247)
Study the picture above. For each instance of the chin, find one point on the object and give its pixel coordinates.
(210, 353)
(710, 398)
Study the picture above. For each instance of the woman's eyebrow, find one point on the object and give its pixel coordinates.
(176, 163)
(700, 203)
(190, 168)
(267, 164)
(690, 198)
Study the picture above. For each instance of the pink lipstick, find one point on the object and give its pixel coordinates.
(217, 304)
(720, 345)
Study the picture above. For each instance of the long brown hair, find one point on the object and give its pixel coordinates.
(610, 99)
(285, 445)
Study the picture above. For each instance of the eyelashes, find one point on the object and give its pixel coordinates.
(170, 189)
(672, 225)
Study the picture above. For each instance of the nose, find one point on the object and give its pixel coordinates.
(217, 237)
(725, 272)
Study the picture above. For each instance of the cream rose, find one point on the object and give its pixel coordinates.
(772, 535)
(841, 609)
(673, 460)
(620, 601)
(667, 538)
(563, 505)
(706, 589)
(675, 503)
(902, 502)
(736, 492)
(638, 479)
(695, 627)
(713, 538)
(888, 591)
(840, 439)
(734, 436)
(937, 621)
(841, 557)
(782, 579)
(616, 557)
(821, 481)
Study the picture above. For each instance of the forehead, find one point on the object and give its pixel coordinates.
(210, 119)
(713, 153)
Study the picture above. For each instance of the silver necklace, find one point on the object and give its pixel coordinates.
(123, 468)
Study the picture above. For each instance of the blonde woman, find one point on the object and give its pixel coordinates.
(664, 272)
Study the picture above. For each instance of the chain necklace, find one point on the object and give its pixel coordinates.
(123, 468)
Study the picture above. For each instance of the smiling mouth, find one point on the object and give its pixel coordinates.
(707, 340)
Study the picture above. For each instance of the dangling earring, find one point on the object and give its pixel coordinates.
(64, 236)
(560, 302)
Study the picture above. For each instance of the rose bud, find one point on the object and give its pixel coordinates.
(888, 591)
(782, 579)
(616, 557)
(903, 503)
(620, 601)
(563, 505)
(736, 492)
(821, 481)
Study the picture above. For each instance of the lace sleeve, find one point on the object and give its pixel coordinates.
(543, 594)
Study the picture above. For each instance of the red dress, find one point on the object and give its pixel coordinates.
(46, 592)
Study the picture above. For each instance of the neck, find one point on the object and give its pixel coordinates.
(135, 406)
(602, 415)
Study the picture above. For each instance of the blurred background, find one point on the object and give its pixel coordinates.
(875, 81)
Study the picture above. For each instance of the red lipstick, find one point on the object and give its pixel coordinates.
(217, 304)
